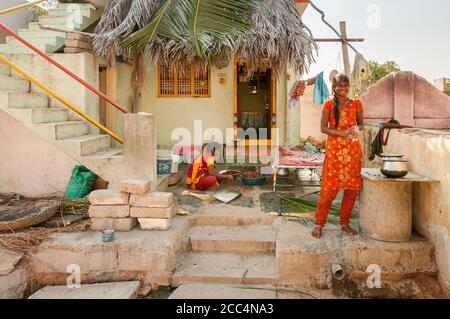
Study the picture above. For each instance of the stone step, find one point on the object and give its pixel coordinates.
(82, 6)
(40, 33)
(66, 22)
(8, 83)
(110, 290)
(40, 116)
(242, 240)
(39, 41)
(223, 268)
(5, 70)
(88, 144)
(22, 49)
(199, 291)
(63, 130)
(69, 10)
(107, 154)
(23, 100)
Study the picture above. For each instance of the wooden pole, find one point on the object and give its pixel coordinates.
(345, 55)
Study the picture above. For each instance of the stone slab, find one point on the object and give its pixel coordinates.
(119, 224)
(13, 285)
(199, 291)
(8, 260)
(113, 211)
(108, 197)
(157, 199)
(154, 223)
(153, 212)
(135, 186)
(111, 290)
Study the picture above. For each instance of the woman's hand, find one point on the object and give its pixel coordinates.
(230, 178)
(352, 132)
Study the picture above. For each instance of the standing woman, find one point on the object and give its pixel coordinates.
(342, 119)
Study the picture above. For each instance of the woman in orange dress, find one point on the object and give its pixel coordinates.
(342, 119)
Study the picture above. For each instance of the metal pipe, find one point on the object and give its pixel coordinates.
(61, 99)
(337, 271)
(62, 68)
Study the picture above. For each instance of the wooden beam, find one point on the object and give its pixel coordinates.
(345, 55)
(339, 40)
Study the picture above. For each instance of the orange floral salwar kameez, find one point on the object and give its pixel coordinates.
(342, 166)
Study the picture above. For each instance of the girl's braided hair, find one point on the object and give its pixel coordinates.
(338, 79)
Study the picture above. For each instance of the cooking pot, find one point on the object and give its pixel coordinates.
(394, 168)
(283, 172)
(388, 156)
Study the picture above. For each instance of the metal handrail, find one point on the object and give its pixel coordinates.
(59, 98)
(62, 68)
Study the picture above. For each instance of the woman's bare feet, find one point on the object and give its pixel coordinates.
(317, 232)
(348, 230)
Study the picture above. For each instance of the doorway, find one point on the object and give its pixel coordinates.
(255, 104)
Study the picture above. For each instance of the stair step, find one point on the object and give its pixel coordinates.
(66, 22)
(64, 130)
(89, 144)
(248, 240)
(54, 42)
(110, 290)
(223, 268)
(41, 33)
(5, 70)
(69, 10)
(8, 83)
(199, 291)
(49, 115)
(107, 154)
(23, 100)
(22, 49)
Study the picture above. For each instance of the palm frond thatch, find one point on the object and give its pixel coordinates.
(278, 37)
(120, 19)
(186, 30)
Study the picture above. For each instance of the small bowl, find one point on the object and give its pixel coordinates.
(253, 181)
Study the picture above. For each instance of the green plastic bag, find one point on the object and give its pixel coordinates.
(81, 182)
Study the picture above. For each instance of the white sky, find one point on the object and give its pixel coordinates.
(413, 33)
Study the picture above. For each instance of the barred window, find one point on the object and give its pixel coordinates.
(184, 81)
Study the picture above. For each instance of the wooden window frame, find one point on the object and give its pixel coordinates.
(175, 79)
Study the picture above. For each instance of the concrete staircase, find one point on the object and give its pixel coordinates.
(67, 16)
(33, 110)
(229, 250)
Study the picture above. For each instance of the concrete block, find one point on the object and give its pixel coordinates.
(119, 224)
(153, 212)
(111, 211)
(108, 197)
(154, 223)
(157, 199)
(78, 44)
(135, 186)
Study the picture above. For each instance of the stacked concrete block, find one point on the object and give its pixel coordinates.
(154, 211)
(109, 210)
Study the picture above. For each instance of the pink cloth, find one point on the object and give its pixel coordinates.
(299, 158)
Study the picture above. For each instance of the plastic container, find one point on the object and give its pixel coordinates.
(253, 181)
(164, 162)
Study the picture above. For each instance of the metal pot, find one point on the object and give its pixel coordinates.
(394, 168)
(392, 156)
(283, 172)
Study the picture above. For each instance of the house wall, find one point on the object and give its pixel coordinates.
(216, 111)
(428, 154)
(30, 165)
(13, 20)
(310, 116)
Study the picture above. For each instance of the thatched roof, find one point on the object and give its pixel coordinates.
(275, 37)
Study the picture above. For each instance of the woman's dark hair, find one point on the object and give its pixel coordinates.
(338, 79)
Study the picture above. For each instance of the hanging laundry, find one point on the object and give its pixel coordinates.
(361, 73)
(321, 92)
(297, 90)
